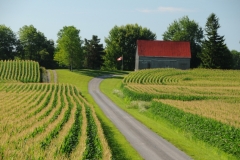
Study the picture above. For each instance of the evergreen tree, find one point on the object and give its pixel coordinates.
(215, 53)
(8, 42)
(93, 52)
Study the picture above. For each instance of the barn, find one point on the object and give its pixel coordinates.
(162, 54)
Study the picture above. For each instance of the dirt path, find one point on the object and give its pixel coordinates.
(49, 76)
(48, 80)
(55, 76)
(149, 145)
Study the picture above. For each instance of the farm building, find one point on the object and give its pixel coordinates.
(162, 54)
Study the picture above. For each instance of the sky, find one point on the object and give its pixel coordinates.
(95, 17)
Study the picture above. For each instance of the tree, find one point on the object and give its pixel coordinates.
(215, 53)
(33, 45)
(32, 42)
(47, 54)
(93, 52)
(69, 49)
(236, 59)
(186, 30)
(8, 43)
(122, 42)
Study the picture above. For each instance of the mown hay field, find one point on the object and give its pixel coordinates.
(203, 102)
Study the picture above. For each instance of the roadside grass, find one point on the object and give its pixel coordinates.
(120, 147)
(194, 148)
(80, 78)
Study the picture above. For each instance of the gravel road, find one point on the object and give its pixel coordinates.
(149, 145)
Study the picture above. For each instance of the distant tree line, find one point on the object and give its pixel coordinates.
(208, 48)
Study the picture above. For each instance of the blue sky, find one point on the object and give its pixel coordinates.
(95, 17)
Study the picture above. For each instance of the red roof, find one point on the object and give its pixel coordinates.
(152, 48)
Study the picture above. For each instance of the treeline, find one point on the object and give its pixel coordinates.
(208, 48)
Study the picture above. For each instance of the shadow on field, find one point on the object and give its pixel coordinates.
(97, 73)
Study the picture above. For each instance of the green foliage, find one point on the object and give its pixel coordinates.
(186, 30)
(1, 153)
(93, 149)
(93, 52)
(57, 113)
(54, 133)
(215, 133)
(45, 98)
(215, 53)
(146, 96)
(236, 59)
(72, 139)
(33, 45)
(44, 74)
(69, 49)
(122, 42)
(24, 71)
(8, 42)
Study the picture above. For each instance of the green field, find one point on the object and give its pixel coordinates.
(202, 103)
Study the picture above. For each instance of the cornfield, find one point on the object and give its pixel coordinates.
(202, 102)
(45, 120)
(19, 70)
(48, 121)
(175, 84)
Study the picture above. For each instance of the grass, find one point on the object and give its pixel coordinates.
(80, 78)
(120, 147)
(184, 141)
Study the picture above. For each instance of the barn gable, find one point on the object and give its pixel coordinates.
(162, 54)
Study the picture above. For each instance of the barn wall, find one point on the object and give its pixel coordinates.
(162, 62)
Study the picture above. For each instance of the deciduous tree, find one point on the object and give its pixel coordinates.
(186, 30)
(69, 49)
(122, 42)
(7, 43)
(215, 53)
(32, 42)
(33, 45)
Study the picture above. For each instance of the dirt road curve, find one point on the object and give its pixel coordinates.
(149, 145)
